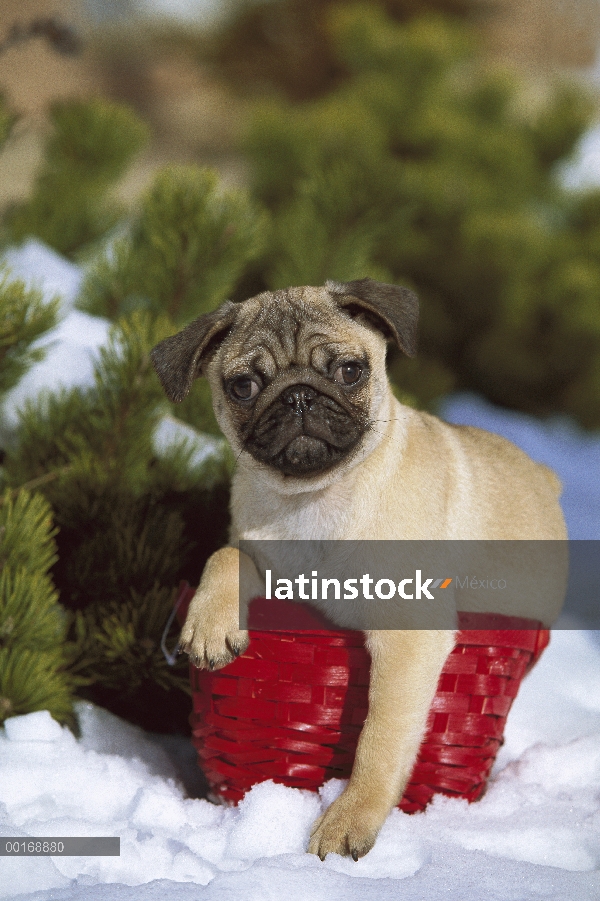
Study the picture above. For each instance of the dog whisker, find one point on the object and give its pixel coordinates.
(243, 449)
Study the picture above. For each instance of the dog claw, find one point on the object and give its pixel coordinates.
(354, 854)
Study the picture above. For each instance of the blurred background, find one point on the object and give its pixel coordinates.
(157, 56)
(189, 66)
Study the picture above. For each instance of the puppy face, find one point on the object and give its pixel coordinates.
(295, 382)
(297, 376)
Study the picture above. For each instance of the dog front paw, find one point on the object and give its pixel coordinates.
(209, 639)
(348, 827)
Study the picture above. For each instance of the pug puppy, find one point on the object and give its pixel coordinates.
(325, 451)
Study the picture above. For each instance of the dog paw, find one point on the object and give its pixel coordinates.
(210, 641)
(348, 828)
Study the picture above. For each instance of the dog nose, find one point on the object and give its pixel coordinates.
(300, 397)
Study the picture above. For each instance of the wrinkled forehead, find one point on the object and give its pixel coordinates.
(296, 326)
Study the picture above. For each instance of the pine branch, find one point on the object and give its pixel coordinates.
(32, 623)
(184, 252)
(38, 482)
(32, 680)
(24, 317)
(118, 643)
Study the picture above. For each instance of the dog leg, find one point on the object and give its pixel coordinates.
(405, 668)
(211, 635)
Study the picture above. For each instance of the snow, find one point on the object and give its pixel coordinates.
(170, 431)
(534, 835)
(41, 267)
(189, 12)
(583, 170)
(37, 726)
(70, 346)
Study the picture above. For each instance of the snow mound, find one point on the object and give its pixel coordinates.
(40, 267)
(535, 834)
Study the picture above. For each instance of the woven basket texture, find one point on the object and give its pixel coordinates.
(292, 706)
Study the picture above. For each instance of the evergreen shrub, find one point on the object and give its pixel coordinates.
(431, 168)
(129, 522)
(34, 652)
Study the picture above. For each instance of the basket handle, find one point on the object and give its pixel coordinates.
(185, 594)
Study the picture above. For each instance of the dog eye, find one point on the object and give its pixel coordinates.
(348, 373)
(243, 388)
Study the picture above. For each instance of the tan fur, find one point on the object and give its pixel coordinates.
(413, 477)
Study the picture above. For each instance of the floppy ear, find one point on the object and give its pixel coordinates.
(178, 359)
(392, 309)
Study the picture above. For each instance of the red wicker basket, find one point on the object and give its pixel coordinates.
(292, 706)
